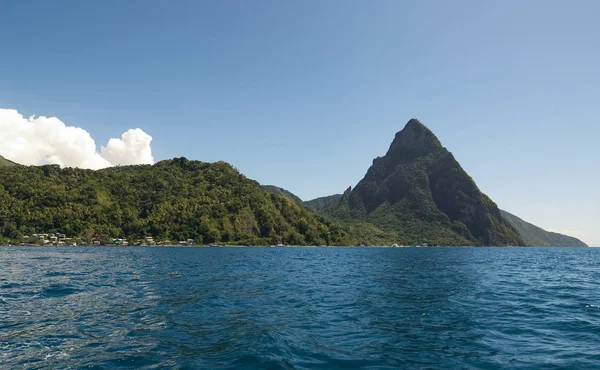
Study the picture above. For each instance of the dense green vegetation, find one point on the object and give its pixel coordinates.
(359, 232)
(174, 199)
(6, 163)
(277, 190)
(323, 203)
(536, 236)
(531, 234)
(418, 193)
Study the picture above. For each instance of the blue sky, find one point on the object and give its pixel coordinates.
(305, 94)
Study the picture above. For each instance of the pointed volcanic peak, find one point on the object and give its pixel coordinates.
(421, 193)
(413, 141)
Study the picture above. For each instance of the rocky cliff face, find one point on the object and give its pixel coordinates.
(420, 191)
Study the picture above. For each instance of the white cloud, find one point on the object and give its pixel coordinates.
(47, 140)
(132, 148)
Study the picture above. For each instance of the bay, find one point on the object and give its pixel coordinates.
(299, 308)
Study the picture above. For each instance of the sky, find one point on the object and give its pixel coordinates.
(304, 94)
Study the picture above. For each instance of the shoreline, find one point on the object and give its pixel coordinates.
(285, 246)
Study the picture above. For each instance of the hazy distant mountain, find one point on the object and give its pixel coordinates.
(5, 162)
(536, 236)
(420, 193)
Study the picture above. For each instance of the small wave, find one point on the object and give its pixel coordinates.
(339, 308)
(58, 291)
(10, 285)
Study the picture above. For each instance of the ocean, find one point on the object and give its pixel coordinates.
(299, 308)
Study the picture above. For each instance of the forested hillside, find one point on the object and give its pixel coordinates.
(175, 199)
(323, 203)
(6, 163)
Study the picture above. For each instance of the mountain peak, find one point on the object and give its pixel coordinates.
(420, 193)
(414, 140)
(416, 123)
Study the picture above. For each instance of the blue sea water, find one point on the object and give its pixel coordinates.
(299, 308)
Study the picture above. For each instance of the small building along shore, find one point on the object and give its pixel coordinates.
(60, 239)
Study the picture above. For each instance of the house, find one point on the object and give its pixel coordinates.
(40, 236)
(119, 241)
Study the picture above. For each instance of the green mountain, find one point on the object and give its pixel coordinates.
(416, 193)
(532, 235)
(277, 190)
(174, 199)
(419, 193)
(316, 205)
(323, 203)
(6, 163)
(536, 236)
(356, 232)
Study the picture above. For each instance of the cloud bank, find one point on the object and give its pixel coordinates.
(47, 140)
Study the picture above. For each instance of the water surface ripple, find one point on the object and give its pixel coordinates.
(299, 308)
